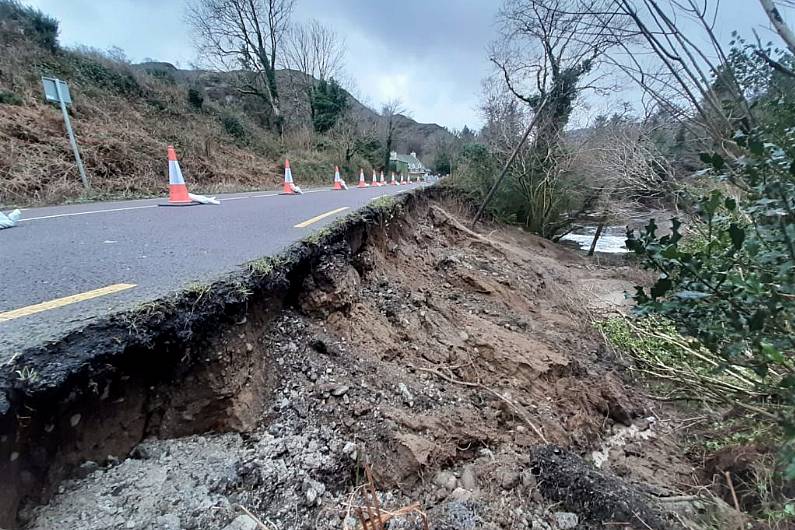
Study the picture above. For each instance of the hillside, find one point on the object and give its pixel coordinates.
(125, 115)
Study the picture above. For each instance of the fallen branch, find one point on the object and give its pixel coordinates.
(519, 411)
(260, 524)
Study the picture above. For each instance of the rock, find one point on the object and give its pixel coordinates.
(445, 479)
(249, 347)
(460, 494)
(566, 520)
(350, 451)
(242, 522)
(463, 335)
(332, 286)
(361, 408)
(313, 491)
(408, 399)
(300, 409)
(169, 522)
(86, 468)
(509, 480)
(469, 480)
(339, 390)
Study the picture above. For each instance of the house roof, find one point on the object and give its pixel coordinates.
(408, 159)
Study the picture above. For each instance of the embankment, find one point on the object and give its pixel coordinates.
(460, 367)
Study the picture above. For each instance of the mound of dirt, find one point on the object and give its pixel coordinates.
(438, 357)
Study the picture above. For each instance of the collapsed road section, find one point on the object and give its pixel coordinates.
(394, 370)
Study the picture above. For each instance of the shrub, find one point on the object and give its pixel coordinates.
(195, 98)
(30, 23)
(96, 68)
(9, 98)
(233, 126)
(735, 290)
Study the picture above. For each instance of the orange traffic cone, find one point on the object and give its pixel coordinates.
(177, 190)
(362, 183)
(339, 184)
(375, 180)
(394, 183)
(289, 186)
(382, 183)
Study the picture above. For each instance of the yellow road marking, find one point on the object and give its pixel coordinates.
(60, 302)
(319, 217)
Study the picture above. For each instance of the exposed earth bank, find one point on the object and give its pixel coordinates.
(455, 374)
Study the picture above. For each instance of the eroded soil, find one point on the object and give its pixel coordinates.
(461, 367)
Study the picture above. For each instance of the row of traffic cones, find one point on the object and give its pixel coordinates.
(178, 191)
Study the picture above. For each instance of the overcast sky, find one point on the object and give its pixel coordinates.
(429, 53)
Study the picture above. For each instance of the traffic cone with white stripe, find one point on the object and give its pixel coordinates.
(362, 183)
(339, 184)
(374, 182)
(177, 190)
(393, 182)
(382, 183)
(289, 186)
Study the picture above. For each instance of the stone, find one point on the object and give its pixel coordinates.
(86, 468)
(407, 397)
(566, 520)
(460, 494)
(350, 450)
(509, 480)
(339, 390)
(242, 522)
(361, 408)
(169, 521)
(469, 480)
(445, 479)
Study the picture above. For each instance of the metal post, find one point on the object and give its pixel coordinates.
(71, 136)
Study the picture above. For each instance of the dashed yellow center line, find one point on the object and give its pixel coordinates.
(321, 216)
(66, 300)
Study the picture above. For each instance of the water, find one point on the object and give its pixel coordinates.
(610, 242)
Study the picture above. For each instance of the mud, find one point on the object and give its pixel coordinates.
(439, 358)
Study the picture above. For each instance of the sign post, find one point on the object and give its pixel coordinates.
(57, 91)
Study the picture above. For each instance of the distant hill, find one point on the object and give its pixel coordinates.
(410, 135)
(125, 115)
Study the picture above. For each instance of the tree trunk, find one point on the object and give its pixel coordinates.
(778, 23)
(596, 236)
(388, 146)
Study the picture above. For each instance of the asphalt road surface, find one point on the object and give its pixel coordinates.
(63, 266)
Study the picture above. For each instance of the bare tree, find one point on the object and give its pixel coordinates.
(548, 52)
(317, 52)
(625, 169)
(347, 135)
(547, 56)
(244, 37)
(389, 113)
(686, 74)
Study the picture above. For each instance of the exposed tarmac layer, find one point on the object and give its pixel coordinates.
(68, 250)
